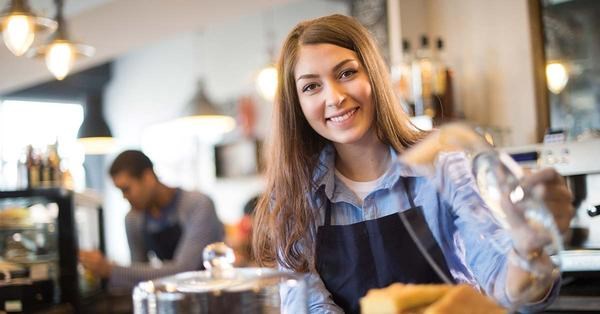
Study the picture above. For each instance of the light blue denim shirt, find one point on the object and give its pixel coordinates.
(475, 247)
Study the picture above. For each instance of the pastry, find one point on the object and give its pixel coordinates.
(427, 299)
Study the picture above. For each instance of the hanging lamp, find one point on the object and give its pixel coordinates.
(60, 53)
(94, 133)
(203, 117)
(19, 25)
(557, 77)
(266, 80)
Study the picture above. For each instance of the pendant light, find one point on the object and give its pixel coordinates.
(557, 77)
(19, 25)
(204, 118)
(60, 53)
(266, 80)
(94, 133)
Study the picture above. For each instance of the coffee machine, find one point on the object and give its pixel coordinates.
(579, 163)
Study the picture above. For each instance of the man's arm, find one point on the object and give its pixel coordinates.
(135, 237)
(201, 226)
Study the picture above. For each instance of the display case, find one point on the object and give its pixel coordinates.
(41, 231)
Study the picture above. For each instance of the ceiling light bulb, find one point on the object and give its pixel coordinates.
(18, 33)
(59, 59)
(557, 77)
(266, 82)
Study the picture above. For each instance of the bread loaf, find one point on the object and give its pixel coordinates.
(427, 299)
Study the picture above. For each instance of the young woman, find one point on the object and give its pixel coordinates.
(336, 187)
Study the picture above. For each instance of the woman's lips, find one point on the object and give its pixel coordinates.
(343, 117)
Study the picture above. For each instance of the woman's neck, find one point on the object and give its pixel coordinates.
(362, 162)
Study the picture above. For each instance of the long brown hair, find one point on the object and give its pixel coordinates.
(285, 221)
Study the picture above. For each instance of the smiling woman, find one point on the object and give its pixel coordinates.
(340, 199)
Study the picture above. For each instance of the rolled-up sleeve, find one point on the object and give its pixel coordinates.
(317, 299)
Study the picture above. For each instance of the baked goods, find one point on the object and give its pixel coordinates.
(14, 216)
(427, 299)
(464, 299)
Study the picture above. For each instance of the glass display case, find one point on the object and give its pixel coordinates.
(41, 231)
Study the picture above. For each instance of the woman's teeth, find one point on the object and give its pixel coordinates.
(343, 117)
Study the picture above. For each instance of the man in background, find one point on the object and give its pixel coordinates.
(167, 228)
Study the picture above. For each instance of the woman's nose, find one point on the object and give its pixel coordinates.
(335, 95)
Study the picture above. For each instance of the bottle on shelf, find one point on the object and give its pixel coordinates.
(442, 97)
(402, 79)
(43, 168)
(33, 168)
(422, 78)
(55, 173)
(22, 173)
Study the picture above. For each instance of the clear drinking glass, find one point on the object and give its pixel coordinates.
(518, 209)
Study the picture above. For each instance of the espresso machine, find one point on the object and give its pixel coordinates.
(579, 163)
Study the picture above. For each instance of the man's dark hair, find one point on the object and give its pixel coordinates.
(134, 162)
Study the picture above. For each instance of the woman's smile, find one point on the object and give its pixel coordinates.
(344, 117)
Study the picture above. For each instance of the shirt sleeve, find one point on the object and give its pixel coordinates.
(135, 238)
(201, 227)
(487, 244)
(317, 298)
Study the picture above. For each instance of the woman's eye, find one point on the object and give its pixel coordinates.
(309, 87)
(347, 73)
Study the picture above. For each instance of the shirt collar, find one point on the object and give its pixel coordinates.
(324, 174)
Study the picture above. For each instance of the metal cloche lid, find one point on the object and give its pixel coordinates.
(219, 276)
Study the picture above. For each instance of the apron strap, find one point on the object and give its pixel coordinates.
(328, 213)
(409, 195)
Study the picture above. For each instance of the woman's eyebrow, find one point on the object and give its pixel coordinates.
(306, 76)
(341, 64)
(335, 69)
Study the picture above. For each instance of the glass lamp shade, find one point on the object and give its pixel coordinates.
(60, 55)
(266, 82)
(18, 32)
(19, 25)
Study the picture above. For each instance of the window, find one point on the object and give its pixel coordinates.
(39, 124)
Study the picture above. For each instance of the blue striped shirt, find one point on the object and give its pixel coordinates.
(474, 245)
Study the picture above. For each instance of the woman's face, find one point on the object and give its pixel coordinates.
(334, 92)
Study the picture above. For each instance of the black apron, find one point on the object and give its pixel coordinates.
(164, 242)
(351, 259)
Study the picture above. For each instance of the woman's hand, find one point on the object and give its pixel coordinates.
(555, 194)
(532, 273)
